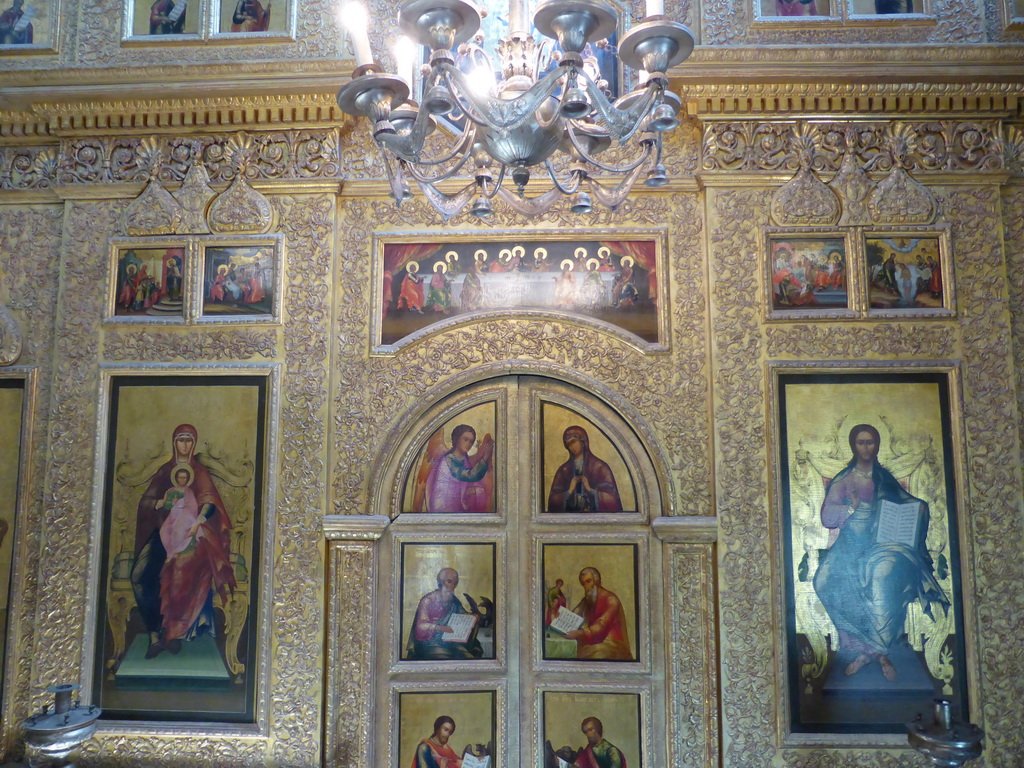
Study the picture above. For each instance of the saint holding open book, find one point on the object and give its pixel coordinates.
(877, 563)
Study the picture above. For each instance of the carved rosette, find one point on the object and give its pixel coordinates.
(240, 209)
(194, 196)
(154, 212)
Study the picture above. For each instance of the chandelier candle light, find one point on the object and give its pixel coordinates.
(559, 118)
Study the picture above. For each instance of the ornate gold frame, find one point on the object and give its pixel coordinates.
(768, 234)
(20, 557)
(951, 368)
(659, 236)
(113, 730)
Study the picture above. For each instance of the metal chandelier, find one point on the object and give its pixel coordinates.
(548, 112)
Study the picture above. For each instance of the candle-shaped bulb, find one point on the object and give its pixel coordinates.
(405, 60)
(655, 7)
(353, 18)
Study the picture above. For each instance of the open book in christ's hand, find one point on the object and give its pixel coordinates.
(898, 523)
(566, 621)
(462, 625)
(470, 760)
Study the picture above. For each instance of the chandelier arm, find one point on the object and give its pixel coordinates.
(564, 190)
(621, 123)
(447, 205)
(466, 140)
(613, 197)
(465, 146)
(408, 146)
(393, 167)
(497, 185)
(502, 114)
(530, 206)
(644, 157)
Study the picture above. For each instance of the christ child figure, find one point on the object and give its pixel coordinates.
(182, 526)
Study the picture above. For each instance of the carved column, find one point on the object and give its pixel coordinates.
(352, 559)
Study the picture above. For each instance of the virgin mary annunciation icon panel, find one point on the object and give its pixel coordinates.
(583, 472)
(874, 629)
(454, 472)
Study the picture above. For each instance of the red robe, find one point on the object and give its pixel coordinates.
(411, 295)
(605, 635)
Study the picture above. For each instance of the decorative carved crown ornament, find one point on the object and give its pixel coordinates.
(899, 198)
(851, 182)
(155, 211)
(240, 208)
(805, 199)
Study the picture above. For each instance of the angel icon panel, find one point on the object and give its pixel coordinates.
(454, 473)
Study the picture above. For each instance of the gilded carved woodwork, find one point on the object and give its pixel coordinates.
(812, 340)
(29, 255)
(158, 346)
(693, 687)
(1013, 242)
(308, 222)
(369, 398)
(933, 145)
(10, 337)
(154, 212)
(194, 196)
(805, 199)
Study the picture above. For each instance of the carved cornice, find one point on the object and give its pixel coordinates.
(711, 102)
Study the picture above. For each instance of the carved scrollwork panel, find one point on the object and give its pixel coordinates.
(28, 167)
(761, 145)
(296, 624)
(842, 342)
(159, 346)
(63, 615)
(994, 471)
(30, 241)
(748, 682)
(351, 652)
(1013, 238)
(693, 694)
(296, 154)
(368, 396)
